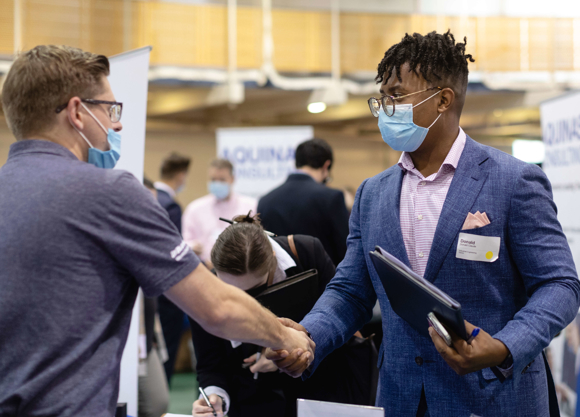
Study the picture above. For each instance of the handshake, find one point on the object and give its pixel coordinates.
(300, 353)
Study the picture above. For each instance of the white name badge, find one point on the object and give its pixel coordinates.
(478, 248)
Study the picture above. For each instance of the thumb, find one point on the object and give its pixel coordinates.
(292, 324)
(251, 358)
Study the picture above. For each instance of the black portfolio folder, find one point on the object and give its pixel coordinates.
(292, 298)
(413, 297)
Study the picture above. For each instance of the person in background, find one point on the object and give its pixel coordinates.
(201, 223)
(174, 171)
(153, 389)
(173, 321)
(304, 205)
(245, 257)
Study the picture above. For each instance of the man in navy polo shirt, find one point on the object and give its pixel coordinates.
(77, 240)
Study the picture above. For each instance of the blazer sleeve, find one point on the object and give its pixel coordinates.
(348, 301)
(212, 358)
(543, 258)
(339, 226)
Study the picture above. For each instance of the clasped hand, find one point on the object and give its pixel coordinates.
(261, 365)
(483, 352)
(295, 362)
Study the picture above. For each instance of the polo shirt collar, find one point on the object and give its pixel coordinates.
(30, 146)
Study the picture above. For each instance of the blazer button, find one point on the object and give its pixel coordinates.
(419, 360)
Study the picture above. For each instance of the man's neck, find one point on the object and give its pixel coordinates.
(429, 157)
(76, 147)
(314, 173)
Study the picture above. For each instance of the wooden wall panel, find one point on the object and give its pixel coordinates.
(59, 22)
(249, 37)
(541, 44)
(195, 35)
(499, 40)
(6, 27)
(563, 44)
(364, 39)
(301, 40)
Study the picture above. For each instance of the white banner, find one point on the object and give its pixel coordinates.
(129, 83)
(560, 119)
(262, 156)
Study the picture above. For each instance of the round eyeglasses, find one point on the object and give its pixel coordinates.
(388, 102)
(115, 108)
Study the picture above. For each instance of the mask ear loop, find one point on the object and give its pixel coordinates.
(424, 102)
(427, 99)
(435, 120)
(79, 132)
(94, 117)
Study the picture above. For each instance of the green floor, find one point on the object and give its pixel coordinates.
(183, 393)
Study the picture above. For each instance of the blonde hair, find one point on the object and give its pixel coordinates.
(44, 78)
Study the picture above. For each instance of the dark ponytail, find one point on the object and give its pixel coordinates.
(243, 248)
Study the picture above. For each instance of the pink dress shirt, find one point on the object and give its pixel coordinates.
(200, 221)
(422, 201)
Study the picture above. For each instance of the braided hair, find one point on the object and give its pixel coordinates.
(437, 57)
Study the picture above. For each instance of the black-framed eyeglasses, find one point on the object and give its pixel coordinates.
(115, 111)
(388, 102)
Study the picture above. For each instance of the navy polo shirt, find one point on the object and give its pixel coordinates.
(76, 242)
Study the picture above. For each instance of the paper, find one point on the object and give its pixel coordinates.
(477, 248)
(176, 415)
(309, 408)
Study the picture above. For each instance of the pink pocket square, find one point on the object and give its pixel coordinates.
(473, 221)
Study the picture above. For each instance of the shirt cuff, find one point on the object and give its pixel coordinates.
(212, 389)
(506, 368)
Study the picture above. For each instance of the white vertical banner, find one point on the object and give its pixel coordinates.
(262, 156)
(560, 118)
(129, 82)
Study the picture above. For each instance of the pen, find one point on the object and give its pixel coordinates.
(207, 401)
(474, 333)
(257, 359)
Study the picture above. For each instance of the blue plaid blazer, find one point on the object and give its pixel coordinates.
(523, 299)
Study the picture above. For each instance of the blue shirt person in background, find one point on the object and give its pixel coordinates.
(520, 301)
(77, 241)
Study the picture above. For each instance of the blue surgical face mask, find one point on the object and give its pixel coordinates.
(103, 159)
(219, 188)
(399, 131)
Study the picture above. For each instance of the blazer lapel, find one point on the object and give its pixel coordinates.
(465, 187)
(390, 230)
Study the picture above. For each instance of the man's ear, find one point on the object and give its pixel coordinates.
(446, 100)
(327, 164)
(73, 111)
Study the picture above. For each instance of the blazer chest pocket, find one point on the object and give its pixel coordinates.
(480, 245)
